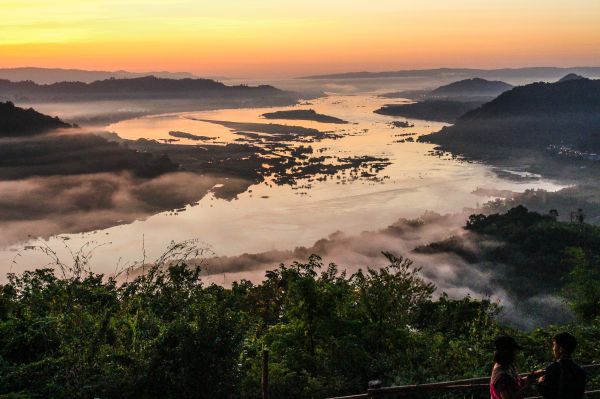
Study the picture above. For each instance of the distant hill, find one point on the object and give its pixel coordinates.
(148, 87)
(446, 103)
(15, 121)
(54, 75)
(532, 73)
(475, 87)
(432, 110)
(529, 117)
(571, 76)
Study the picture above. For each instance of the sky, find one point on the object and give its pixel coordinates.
(260, 38)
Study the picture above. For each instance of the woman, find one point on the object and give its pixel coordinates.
(505, 382)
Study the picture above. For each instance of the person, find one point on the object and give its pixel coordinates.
(563, 379)
(505, 382)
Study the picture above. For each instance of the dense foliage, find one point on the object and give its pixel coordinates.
(528, 253)
(166, 334)
(537, 248)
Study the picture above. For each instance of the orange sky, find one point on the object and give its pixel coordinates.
(288, 38)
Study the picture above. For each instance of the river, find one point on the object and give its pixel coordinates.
(269, 216)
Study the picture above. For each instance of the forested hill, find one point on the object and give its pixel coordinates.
(15, 121)
(143, 87)
(532, 117)
(571, 76)
(570, 96)
(470, 88)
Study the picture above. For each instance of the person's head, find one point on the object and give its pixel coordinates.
(506, 350)
(563, 345)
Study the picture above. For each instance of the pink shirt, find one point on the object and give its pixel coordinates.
(503, 380)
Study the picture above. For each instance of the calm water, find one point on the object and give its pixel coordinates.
(282, 217)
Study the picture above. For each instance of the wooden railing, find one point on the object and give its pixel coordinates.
(480, 383)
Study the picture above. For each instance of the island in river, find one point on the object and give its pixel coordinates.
(304, 115)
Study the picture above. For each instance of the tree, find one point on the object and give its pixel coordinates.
(578, 216)
(583, 284)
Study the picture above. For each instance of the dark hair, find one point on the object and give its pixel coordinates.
(566, 341)
(506, 343)
(504, 357)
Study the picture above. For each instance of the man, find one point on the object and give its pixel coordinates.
(562, 379)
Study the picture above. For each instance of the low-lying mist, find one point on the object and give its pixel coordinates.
(46, 206)
(450, 272)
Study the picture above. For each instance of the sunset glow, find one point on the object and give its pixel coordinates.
(273, 37)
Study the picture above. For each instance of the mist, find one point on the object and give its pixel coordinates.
(46, 206)
(450, 273)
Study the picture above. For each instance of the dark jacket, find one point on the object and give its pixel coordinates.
(564, 380)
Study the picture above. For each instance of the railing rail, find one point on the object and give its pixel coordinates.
(587, 393)
(465, 384)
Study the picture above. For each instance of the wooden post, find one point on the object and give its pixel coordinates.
(265, 374)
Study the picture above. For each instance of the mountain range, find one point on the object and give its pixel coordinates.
(147, 87)
(531, 73)
(55, 75)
